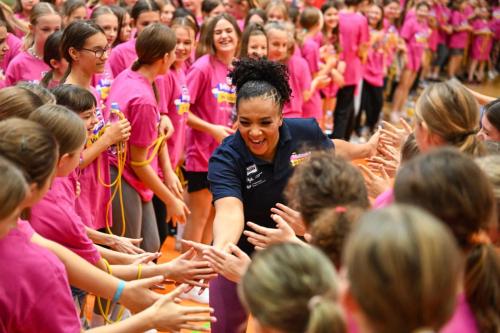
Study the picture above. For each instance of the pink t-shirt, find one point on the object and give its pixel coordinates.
(55, 218)
(458, 39)
(26, 228)
(35, 294)
(14, 44)
(375, 63)
(310, 53)
(443, 16)
(481, 44)
(495, 23)
(212, 97)
(390, 40)
(353, 28)
(136, 99)
(174, 96)
(25, 67)
(416, 35)
(92, 202)
(300, 81)
(463, 320)
(122, 57)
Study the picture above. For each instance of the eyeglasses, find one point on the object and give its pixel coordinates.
(99, 53)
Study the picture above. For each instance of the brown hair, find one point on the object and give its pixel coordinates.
(253, 29)
(206, 43)
(277, 4)
(450, 111)
(18, 102)
(409, 149)
(31, 147)
(39, 10)
(325, 181)
(153, 43)
(398, 259)
(453, 188)
(293, 288)
(68, 129)
(14, 188)
(330, 230)
(309, 18)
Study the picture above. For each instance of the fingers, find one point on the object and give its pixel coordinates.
(197, 246)
(189, 254)
(367, 172)
(176, 292)
(237, 251)
(405, 125)
(255, 236)
(258, 228)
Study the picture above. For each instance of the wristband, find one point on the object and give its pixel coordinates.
(119, 291)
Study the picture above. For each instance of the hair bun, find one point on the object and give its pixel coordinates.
(262, 70)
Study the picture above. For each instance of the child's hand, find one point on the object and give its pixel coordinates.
(231, 265)
(117, 132)
(177, 211)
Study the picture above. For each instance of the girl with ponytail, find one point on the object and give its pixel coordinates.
(447, 114)
(52, 57)
(291, 288)
(451, 186)
(404, 268)
(134, 91)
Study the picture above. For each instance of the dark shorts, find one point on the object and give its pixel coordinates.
(457, 52)
(196, 181)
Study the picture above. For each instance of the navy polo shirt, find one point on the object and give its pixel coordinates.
(234, 172)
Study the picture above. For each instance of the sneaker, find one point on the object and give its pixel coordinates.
(193, 295)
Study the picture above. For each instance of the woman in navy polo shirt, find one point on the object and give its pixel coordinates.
(250, 169)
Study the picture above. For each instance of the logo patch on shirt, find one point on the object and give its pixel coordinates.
(297, 159)
(182, 103)
(251, 169)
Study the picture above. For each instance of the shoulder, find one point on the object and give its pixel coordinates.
(306, 130)
(203, 63)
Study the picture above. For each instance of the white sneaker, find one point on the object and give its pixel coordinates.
(193, 295)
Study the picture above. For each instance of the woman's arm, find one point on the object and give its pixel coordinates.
(228, 222)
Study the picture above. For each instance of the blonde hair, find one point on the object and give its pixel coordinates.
(39, 10)
(14, 188)
(451, 112)
(66, 126)
(293, 288)
(398, 260)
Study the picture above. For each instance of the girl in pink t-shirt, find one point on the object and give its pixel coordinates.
(416, 34)
(372, 95)
(143, 13)
(135, 94)
(301, 83)
(444, 29)
(28, 65)
(331, 52)
(38, 298)
(167, 13)
(311, 20)
(354, 39)
(22, 12)
(174, 92)
(459, 37)
(212, 97)
(481, 44)
(85, 47)
(104, 17)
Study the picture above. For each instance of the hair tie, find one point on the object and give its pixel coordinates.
(340, 209)
(23, 145)
(314, 302)
(479, 238)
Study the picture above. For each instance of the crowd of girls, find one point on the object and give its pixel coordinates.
(121, 120)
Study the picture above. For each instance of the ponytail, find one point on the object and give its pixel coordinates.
(325, 316)
(482, 286)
